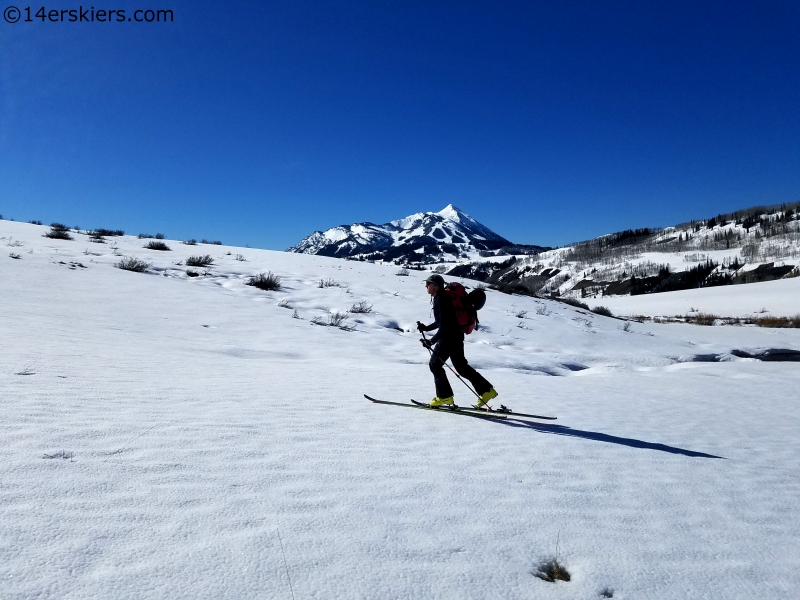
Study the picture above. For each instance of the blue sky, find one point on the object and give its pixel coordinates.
(259, 122)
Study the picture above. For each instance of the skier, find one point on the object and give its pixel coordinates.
(448, 342)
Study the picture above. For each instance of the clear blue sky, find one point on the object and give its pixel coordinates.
(259, 122)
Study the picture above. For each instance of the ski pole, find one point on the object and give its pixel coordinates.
(469, 387)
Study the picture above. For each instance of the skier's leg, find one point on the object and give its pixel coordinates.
(436, 364)
(464, 369)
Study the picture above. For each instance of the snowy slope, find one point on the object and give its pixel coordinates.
(751, 246)
(219, 448)
(449, 232)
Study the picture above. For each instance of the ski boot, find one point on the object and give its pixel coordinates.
(485, 397)
(437, 402)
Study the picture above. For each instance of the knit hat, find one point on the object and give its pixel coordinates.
(435, 279)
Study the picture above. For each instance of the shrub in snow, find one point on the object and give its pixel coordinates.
(779, 321)
(602, 310)
(240, 258)
(329, 282)
(192, 273)
(157, 246)
(705, 319)
(60, 454)
(551, 570)
(265, 281)
(131, 263)
(402, 273)
(199, 261)
(58, 232)
(335, 319)
(191, 242)
(17, 256)
(361, 307)
(575, 303)
(284, 303)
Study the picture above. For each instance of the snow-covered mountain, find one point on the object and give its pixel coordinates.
(419, 238)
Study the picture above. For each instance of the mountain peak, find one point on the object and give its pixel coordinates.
(421, 237)
(453, 213)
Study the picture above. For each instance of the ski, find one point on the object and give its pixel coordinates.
(508, 412)
(454, 411)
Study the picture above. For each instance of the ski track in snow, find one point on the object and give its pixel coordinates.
(202, 428)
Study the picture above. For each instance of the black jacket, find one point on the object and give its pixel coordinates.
(444, 320)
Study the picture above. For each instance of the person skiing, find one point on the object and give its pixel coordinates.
(448, 342)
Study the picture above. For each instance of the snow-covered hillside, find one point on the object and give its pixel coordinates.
(752, 246)
(419, 238)
(169, 436)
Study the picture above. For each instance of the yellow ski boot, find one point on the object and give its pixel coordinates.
(484, 399)
(441, 402)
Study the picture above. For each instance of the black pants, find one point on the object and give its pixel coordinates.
(454, 350)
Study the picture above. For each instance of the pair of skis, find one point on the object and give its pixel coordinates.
(482, 413)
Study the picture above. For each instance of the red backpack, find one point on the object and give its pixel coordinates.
(466, 315)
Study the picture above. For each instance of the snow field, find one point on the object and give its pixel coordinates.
(212, 434)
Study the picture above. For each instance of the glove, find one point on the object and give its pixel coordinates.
(421, 327)
(426, 343)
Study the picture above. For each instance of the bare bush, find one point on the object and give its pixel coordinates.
(793, 322)
(240, 258)
(13, 255)
(191, 242)
(157, 246)
(402, 273)
(58, 232)
(329, 282)
(265, 281)
(542, 310)
(705, 319)
(602, 310)
(362, 307)
(131, 263)
(521, 314)
(200, 261)
(284, 303)
(336, 319)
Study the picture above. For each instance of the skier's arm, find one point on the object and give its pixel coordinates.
(437, 324)
(422, 327)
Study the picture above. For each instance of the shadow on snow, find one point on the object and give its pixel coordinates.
(602, 437)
